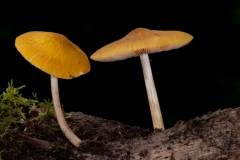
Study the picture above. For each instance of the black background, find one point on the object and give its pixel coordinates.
(200, 77)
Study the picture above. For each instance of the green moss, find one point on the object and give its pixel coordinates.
(15, 109)
(1, 154)
(45, 110)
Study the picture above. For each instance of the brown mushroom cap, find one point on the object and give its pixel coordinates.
(141, 41)
(53, 53)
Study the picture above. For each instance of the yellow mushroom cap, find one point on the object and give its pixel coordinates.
(53, 53)
(141, 41)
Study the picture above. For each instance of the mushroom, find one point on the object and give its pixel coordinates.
(56, 55)
(141, 42)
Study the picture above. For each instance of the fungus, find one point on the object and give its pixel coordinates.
(141, 42)
(56, 55)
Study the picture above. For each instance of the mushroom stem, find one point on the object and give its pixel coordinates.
(152, 94)
(59, 114)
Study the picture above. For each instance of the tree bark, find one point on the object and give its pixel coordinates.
(212, 136)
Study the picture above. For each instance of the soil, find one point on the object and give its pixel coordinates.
(212, 136)
(35, 141)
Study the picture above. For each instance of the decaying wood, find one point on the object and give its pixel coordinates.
(212, 136)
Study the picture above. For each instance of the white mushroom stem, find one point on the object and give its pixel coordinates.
(152, 94)
(59, 114)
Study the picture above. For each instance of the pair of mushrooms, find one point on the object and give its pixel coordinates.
(54, 54)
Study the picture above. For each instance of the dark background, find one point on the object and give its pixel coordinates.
(200, 77)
